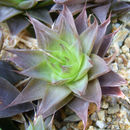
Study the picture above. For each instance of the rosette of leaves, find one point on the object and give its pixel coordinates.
(14, 12)
(99, 7)
(70, 67)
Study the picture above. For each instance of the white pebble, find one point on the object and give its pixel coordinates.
(125, 49)
(100, 124)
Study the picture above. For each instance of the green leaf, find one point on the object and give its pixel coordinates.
(8, 12)
(85, 67)
(27, 4)
(65, 26)
(79, 87)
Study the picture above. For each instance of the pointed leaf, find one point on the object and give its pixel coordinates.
(46, 37)
(39, 124)
(8, 12)
(75, 9)
(69, 1)
(41, 71)
(112, 91)
(7, 71)
(79, 87)
(27, 58)
(120, 7)
(106, 44)
(67, 29)
(80, 107)
(88, 38)
(53, 99)
(42, 15)
(111, 79)
(85, 67)
(17, 24)
(100, 35)
(99, 67)
(101, 12)
(33, 91)
(93, 89)
(81, 21)
(7, 94)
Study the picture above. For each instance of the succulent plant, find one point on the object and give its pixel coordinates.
(99, 7)
(70, 67)
(14, 12)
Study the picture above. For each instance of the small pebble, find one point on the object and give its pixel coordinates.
(114, 109)
(100, 124)
(94, 117)
(101, 115)
(109, 119)
(127, 42)
(114, 67)
(128, 55)
(91, 128)
(105, 105)
(125, 49)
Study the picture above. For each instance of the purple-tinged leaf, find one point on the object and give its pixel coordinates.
(67, 29)
(1, 39)
(7, 12)
(17, 24)
(53, 99)
(120, 7)
(88, 38)
(41, 14)
(46, 36)
(27, 58)
(79, 87)
(99, 67)
(55, 107)
(80, 107)
(99, 1)
(41, 71)
(69, 2)
(7, 71)
(106, 44)
(75, 9)
(7, 94)
(34, 90)
(112, 91)
(81, 21)
(93, 93)
(101, 12)
(100, 35)
(111, 58)
(111, 79)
